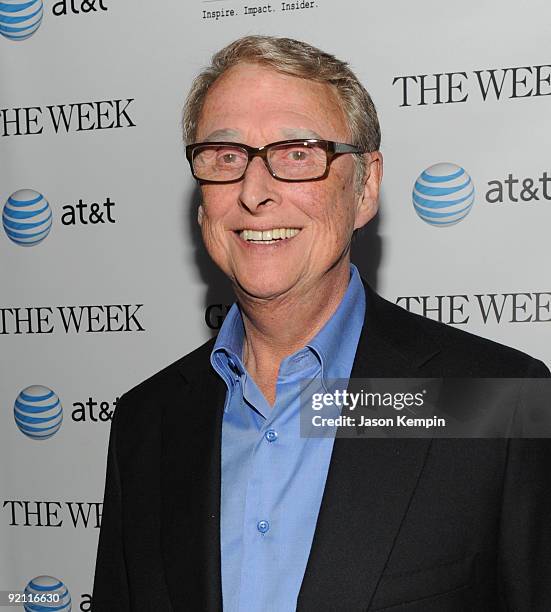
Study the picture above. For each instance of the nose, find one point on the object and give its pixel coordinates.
(257, 186)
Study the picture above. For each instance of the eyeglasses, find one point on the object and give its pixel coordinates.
(286, 160)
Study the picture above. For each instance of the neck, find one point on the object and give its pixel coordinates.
(277, 328)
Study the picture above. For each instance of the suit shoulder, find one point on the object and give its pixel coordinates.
(170, 378)
(456, 351)
(137, 420)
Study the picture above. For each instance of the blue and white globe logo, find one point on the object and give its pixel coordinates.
(38, 412)
(20, 19)
(48, 594)
(27, 216)
(443, 194)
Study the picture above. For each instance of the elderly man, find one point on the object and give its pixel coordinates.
(213, 499)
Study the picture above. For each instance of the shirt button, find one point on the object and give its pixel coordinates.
(234, 368)
(263, 526)
(271, 435)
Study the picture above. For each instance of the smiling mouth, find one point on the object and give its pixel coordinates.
(267, 236)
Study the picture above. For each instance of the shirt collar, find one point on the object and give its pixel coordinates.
(336, 357)
(226, 354)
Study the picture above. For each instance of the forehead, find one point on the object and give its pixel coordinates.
(250, 96)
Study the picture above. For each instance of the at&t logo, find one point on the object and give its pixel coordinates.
(443, 194)
(38, 412)
(46, 593)
(27, 217)
(20, 19)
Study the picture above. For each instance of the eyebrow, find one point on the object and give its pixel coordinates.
(221, 135)
(228, 134)
(300, 133)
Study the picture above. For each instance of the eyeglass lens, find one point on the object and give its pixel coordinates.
(293, 161)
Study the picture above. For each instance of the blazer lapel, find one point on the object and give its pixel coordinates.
(190, 492)
(369, 485)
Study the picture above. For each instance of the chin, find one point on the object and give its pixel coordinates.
(263, 288)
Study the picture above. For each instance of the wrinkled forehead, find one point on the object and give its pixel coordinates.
(251, 94)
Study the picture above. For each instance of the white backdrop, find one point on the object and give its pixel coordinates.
(133, 62)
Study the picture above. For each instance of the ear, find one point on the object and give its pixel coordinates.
(200, 214)
(367, 203)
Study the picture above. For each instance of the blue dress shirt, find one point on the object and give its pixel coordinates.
(272, 478)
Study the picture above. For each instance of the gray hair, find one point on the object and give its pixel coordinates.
(299, 59)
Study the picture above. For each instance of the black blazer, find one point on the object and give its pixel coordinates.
(405, 525)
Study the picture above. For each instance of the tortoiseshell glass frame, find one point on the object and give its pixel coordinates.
(332, 150)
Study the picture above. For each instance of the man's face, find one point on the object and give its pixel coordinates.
(256, 106)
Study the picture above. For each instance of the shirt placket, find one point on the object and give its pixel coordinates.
(261, 530)
(260, 525)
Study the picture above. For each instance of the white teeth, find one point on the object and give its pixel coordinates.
(268, 236)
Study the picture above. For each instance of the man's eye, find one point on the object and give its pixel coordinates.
(229, 158)
(298, 155)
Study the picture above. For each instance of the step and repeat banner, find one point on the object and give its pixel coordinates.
(103, 276)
